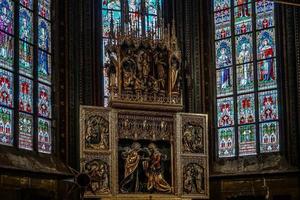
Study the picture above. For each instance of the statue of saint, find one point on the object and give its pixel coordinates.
(193, 179)
(161, 74)
(154, 171)
(129, 70)
(98, 171)
(112, 69)
(131, 180)
(174, 70)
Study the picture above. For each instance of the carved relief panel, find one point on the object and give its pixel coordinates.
(192, 129)
(95, 149)
(144, 154)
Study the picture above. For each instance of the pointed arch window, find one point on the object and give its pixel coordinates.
(25, 74)
(137, 17)
(247, 95)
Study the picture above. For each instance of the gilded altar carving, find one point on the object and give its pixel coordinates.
(141, 126)
(95, 128)
(96, 137)
(195, 176)
(145, 72)
(157, 155)
(145, 163)
(98, 170)
(192, 138)
(193, 179)
(143, 170)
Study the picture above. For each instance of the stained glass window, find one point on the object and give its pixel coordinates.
(32, 114)
(247, 103)
(6, 126)
(26, 25)
(135, 17)
(7, 16)
(25, 95)
(27, 3)
(44, 35)
(25, 131)
(6, 88)
(44, 135)
(6, 51)
(25, 59)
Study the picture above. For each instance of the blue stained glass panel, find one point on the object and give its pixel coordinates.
(223, 53)
(134, 5)
(222, 24)
(225, 112)
(6, 88)
(25, 58)
(266, 44)
(44, 102)
(44, 67)
(264, 14)
(247, 140)
(246, 109)
(44, 136)
(151, 26)
(224, 82)
(6, 128)
(245, 78)
(269, 137)
(221, 4)
(45, 8)
(152, 6)
(44, 35)
(7, 16)
(244, 49)
(243, 19)
(25, 131)
(268, 105)
(6, 51)
(111, 4)
(26, 25)
(27, 3)
(226, 142)
(267, 76)
(25, 95)
(110, 18)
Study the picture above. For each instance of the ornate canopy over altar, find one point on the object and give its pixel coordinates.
(143, 147)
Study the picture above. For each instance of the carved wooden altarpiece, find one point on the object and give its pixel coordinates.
(143, 147)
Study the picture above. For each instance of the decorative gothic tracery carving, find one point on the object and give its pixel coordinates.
(145, 71)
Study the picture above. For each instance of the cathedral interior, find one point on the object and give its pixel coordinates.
(150, 99)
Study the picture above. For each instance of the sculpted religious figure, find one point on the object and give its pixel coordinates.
(161, 70)
(154, 171)
(97, 133)
(193, 178)
(133, 169)
(174, 71)
(99, 174)
(128, 70)
(112, 67)
(192, 139)
(143, 170)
